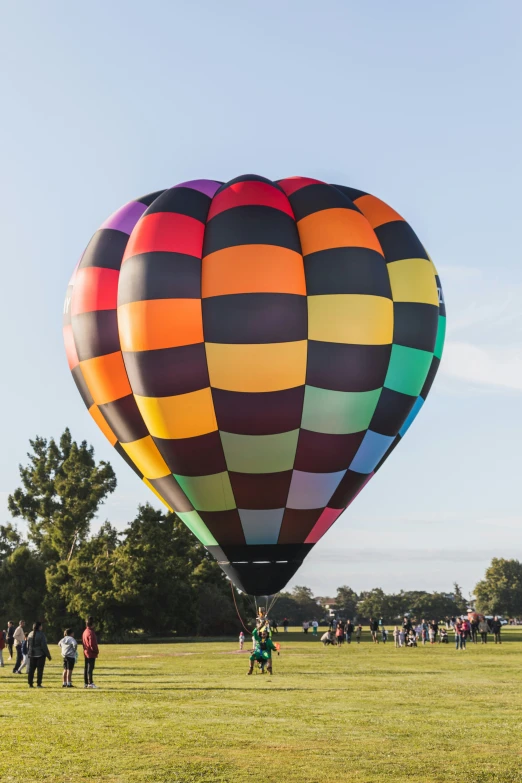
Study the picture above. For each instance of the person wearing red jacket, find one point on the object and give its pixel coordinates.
(90, 651)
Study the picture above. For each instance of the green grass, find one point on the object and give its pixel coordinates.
(186, 712)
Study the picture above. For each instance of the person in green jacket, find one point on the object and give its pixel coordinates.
(262, 653)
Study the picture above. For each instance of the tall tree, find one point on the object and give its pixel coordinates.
(297, 606)
(430, 606)
(376, 603)
(22, 585)
(458, 597)
(10, 539)
(500, 592)
(145, 582)
(84, 585)
(346, 602)
(62, 488)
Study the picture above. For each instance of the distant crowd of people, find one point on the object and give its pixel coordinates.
(411, 633)
(30, 651)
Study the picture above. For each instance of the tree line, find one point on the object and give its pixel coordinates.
(154, 577)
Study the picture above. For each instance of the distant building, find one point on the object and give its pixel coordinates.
(329, 605)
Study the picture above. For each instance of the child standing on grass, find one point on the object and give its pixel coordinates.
(241, 640)
(68, 646)
(384, 634)
(339, 633)
(402, 637)
(396, 635)
(358, 633)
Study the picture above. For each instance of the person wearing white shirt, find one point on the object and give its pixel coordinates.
(18, 637)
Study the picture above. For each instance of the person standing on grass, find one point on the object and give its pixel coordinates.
(358, 634)
(90, 651)
(460, 637)
(474, 630)
(424, 631)
(24, 655)
(349, 631)
(384, 634)
(396, 636)
(241, 640)
(434, 627)
(374, 629)
(306, 626)
(496, 626)
(2, 648)
(315, 626)
(37, 652)
(18, 638)
(275, 628)
(402, 637)
(69, 648)
(10, 638)
(285, 625)
(339, 633)
(483, 630)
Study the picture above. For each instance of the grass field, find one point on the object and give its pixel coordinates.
(187, 712)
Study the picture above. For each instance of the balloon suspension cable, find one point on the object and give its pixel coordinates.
(237, 609)
(275, 599)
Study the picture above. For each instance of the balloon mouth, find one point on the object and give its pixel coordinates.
(263, 569)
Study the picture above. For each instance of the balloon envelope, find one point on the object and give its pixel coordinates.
(254, 351)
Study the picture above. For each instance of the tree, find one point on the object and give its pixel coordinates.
(500, 592)
(85, 585)
(10, 539)
(346, 602)
(297, 606)
(459, 600)
(303, 595)
(375, 603)
(62, 488)
(429, 606)
(22, 585)
(215, 612)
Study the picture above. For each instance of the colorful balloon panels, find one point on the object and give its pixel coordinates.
(255, 350)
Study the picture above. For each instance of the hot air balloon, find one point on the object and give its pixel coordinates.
(255, 350)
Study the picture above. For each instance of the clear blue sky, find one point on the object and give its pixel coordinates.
(415, 102)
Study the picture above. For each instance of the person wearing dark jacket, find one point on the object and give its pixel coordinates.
(90, 651)
(349, 631)
(374, 630)
(496, 626)
(10, 638)
(37, 652)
